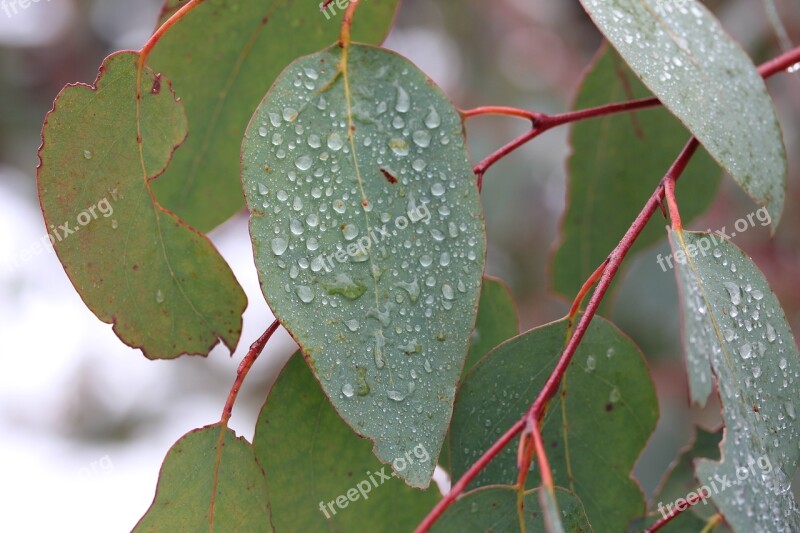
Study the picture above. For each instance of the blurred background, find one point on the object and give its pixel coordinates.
(85, 421)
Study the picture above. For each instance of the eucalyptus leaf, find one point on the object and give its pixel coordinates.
(369, 239)
(494, 508)
(324, 477)
(210, 481)
(736, 331)
(163, 285)
(681, 53)
(616, 163)
(595, 428)
(222, 56)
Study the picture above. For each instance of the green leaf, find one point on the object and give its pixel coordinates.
(210, 481)
(494, 508)
(682, 53)
(222, 57)
(497, 321)
(311, 458)
(616, 164)
(162, 284)
(680, 482)
(606, 392)
(369, 239)
(736, 331)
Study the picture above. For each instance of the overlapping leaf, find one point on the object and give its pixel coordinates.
(682, 54)
(615, 166)
(163, 285)
(210, 481)
(222, 57)
(494, 508)
(369, 239)
(312, 459)
(736, 331)
(595, 428)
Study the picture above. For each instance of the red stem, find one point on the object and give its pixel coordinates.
(542, 122)
(663, 521)
(244, 367)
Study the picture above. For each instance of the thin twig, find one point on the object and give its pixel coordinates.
(244, 367)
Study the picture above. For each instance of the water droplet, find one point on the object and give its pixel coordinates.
(411, 288)
(160, 296)
(305, 293)
(274, 119)
(756, 371)
(782, 363)
(717, 253)
(312, 220)
(734, 291)
(296, 227)
(282, 195)
(591, 364)
(290, 114)
(437, 189)
(427, 366)
(343, 285)
(614, 396)
(447, 292)
(422, 138)
(352, 325)
(444, 259)
(297, 205)
(403, 103)
(114, 224)
(303, 162)
(380, 343)
(87, 154)
(771, 335)
(262, 189)
(350, 231)
(425, 260)
(339, 206)
(433, 120)
(335, 142)
(399, 147)
(311, 73)
(279, 245)
(746, 351)
(757, 295)
(314, 141)
(348, 390)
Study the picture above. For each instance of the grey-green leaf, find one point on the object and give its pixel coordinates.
(494, 508)
(682, 53)
(736, 331)
(595, 428)
(369, 239)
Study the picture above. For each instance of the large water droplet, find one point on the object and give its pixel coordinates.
(305, 293)
(403, 103)
(746, 351)
(348, 390)
(303, 162)
(160, 296)
(433, 120)
(734, 291)
(335, 142)
(422, 138)
(279, 245)
(591, 364)
(296, 227)
(399, 147)
(350, 231)
(87, 154)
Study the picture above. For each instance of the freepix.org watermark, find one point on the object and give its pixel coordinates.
(715, 238)
(373, 480)
(358, 249)
(12, 7)
(61, 232)
(720, 484)
(333, 6)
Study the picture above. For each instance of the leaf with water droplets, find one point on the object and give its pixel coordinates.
(136, 265)
(681, 53)
(221, 58)
(494, 508)
(313, 457)
(735, 330)
(606, 391)
(606, 189)
(384, 271)
(210, 481)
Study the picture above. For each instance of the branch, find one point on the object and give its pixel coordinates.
(170, 22)
(244, 367)
(543, 123)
